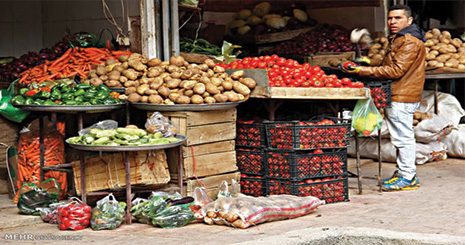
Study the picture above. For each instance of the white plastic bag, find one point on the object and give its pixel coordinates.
(455, 142)
(433, 129)
(448, 106)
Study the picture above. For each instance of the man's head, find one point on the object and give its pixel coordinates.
(399, 17)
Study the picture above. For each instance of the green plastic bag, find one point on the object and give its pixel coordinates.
(9, 111)
(366, 117)
(32, 196)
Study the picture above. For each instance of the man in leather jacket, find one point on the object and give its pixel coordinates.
(404, 64)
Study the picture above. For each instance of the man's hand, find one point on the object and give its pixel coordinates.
(349, 67)
(363, 61)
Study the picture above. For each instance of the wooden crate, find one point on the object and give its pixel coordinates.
(204, 126)
(322, 59)
(147, 168)
(211, 182)
(210, 159)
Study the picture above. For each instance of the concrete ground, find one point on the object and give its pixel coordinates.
(433, 214)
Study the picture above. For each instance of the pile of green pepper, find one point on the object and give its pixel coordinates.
(64, 94)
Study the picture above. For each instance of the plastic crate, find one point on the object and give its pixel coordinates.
(307, 135)
(330, 190)
(253, 186)
(250, 134)
(380, 92)
(300, 165)
(251, 161)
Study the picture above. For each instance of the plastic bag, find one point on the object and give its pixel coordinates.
(50, 214)
(158, 123)
(173, 217)
(244, 211)
(223, 189)
(433, 129)
(200, 197)
(140, 209)
(74, 216)
(9, 111)
(105, 124)
(32, 196)
(107, 214)
(366, 117)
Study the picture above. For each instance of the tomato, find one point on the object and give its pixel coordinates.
(337, 84)
(306, 66)
(318, 83)
(290, 63)
(316, 69)
(318, 151)
(266, 58)
(64, 212)
(86, 208)
(63, 226)
(281, 62)
(274, 57)
(269, 63)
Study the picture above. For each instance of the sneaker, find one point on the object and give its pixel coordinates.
(395, 175)
(401, 184)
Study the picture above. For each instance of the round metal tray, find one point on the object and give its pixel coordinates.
(118, 90)
(69, 108)
(181, 138)
(185, 107)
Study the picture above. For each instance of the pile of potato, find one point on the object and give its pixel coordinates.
(443, 50)
(172, 82)
(377, 51)
(420, 116)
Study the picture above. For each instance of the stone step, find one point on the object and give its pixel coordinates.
(10, 216)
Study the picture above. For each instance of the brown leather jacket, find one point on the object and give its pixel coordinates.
(404, 63)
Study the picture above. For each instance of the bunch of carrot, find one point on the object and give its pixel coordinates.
(29, 158)
(75, 61)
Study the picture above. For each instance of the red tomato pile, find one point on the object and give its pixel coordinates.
(379, 97)
(249, 133)
(306, 165)
(330, 189)
(317, 134)
(250, 161)
(252, 185)
(284, 72)
(75, 216)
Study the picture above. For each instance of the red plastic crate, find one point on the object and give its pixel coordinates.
(329, 189)
(301, 165)
(250, 134)
(251, 161)
(253, 185)
(306, 135)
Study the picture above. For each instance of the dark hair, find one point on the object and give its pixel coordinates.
(407, 9)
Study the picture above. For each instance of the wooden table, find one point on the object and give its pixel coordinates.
(441, 76)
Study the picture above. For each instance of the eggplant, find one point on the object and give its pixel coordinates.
(184, 200)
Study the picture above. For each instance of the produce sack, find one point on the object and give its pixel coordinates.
(455, 142)
(448, 106)
(366, 117)
(32, 196)
(9, 111)
(107, 214)
(74, 216)
(433, 129)
(245, 211)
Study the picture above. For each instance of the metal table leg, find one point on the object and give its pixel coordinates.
(180, 170)
(128, 187)
(435, 96)
(380, 160)
(82, 166)
(359, 167)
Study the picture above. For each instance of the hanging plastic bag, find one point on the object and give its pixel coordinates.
(32, 196)
(366, 117)
(107, 214)
(8, 110)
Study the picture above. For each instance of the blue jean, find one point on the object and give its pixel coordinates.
(399, 119)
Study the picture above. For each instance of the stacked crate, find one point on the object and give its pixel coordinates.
(250, 157)
(208, 155)
(299, 158)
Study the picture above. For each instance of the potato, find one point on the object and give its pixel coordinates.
(206, 94)
(151, 92)
(141, 89)
(210, 63)
(452, 63)
(220, 98)
(182, 99)
(155, 99)
(429, 35)
(462, 60)
(443, 58)
(383, 40)
(101, 70)
(432, 63)
(232, 96)
(430, 56)
(446, 34)
(168, 102)
(456, 42)
(164, 91)
(113, 83)
(154, 62)
(187, 74)
(144, 99)
(96, 81)
(119, 68)
(177, 61)
(241, 88)
(197, 99)
(174, 97)
(429, 43)
(173, 83)
(212, 89)
(176, 74)
(131, 74)
(461, 67)
(375, 46)
(203, 67)
(188, 92)
(210, 73)
(130, 90)
(137, 65)
(114, 75)
(204, 79)
(123, 79)
(249, 82)
(104, 77)
(227, 85)
(216, 81)
(436, 32)
(209, 100)
(199, 88)
(189, 84)
(443, 39)
(218, 69)
(123, 58)
(455, 56)
(237, 74)
(134, 98)
(153, 72)
(434, 52)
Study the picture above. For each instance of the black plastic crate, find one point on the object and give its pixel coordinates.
(329, 189)
(301, 165)
(250, 134)
(253, 185)
(308, 135)
(380, 92)
(251, 161)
